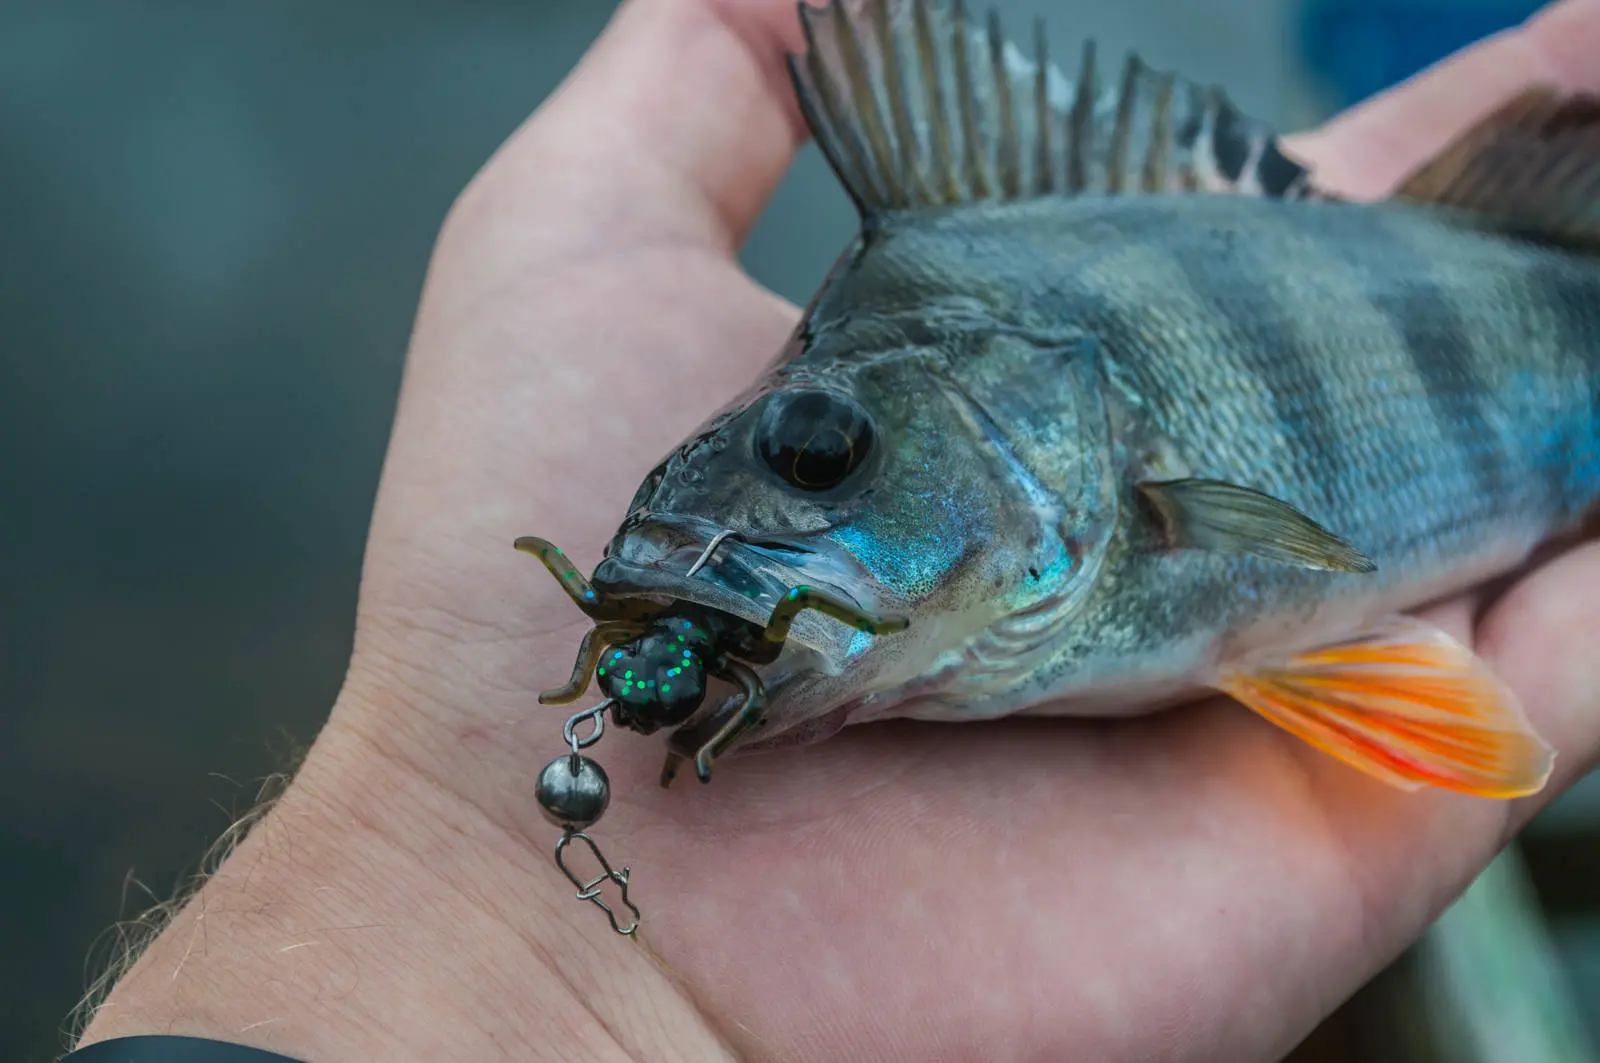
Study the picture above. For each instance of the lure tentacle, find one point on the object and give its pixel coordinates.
(566, 574)
(692, 743)
(803, 597)
(595, 642)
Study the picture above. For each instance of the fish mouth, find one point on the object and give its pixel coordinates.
(745, 577)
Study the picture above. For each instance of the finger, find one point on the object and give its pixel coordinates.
(675, 127)
(1367, 149)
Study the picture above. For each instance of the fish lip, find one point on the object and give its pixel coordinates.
(745, 578)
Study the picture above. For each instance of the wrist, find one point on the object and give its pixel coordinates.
(375, 913)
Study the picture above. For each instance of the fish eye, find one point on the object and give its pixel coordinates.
(813, 439)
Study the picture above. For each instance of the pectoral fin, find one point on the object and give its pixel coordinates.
(1212, 515)
(1406, 703)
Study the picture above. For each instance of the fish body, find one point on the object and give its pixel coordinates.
(1430, 391)
(1115, 406)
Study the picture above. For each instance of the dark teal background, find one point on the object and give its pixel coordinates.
(214, 223)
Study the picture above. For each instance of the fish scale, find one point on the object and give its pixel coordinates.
(1109, 404)
(1378, 422)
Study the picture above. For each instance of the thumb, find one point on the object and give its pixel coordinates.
(674, 129)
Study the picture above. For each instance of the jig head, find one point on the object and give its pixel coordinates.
(652, 664)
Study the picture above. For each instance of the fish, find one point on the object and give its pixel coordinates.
(1108, 405)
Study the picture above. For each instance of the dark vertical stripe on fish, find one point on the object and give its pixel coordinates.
(1446, 356)
(1572, 458)
(1269, 341)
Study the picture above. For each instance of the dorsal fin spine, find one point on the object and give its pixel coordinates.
(1154, 175)
(973, 167)
(1044, 167)
(1082, 122)
(1188, 176)
(1122, 132)
(1009, 156)
(895, 85)
(943, 176)
(865, 102)
(820, 104)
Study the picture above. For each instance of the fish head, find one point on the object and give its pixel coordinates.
(769, 495)
(877, 480)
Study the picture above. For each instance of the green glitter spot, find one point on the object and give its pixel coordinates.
(602, 669)
(628, 674)
(666, 688)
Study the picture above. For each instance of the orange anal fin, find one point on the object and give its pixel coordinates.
(1403, 702)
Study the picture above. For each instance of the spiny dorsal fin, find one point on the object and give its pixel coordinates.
(916, 106)
(1533, 163)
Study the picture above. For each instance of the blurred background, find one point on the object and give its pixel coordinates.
(214, 222)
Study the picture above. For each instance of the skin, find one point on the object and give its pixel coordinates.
(1190, 886)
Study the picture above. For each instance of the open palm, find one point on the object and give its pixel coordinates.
(1194, 885)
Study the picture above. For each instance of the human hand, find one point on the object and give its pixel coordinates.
(1192, 886)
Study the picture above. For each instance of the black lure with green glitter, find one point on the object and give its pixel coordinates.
(658, 679)
(652, 659)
